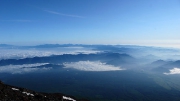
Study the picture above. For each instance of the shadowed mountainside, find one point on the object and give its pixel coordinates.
(11, 93)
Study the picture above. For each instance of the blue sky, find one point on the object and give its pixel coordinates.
(138, 22)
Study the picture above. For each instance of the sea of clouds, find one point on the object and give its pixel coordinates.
(91, 66)
(19, 53)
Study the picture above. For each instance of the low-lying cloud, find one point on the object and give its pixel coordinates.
(91, 66)
(7, 53)
(173, 71)
(25, 68)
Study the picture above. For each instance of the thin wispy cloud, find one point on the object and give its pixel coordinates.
(62, 14)
(25, 68)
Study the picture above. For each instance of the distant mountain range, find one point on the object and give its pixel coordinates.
(109, 58)
(164, 66)
(155, 59)
(124, 71)
(116, 59)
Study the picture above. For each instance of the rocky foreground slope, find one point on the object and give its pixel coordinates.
(11, 93)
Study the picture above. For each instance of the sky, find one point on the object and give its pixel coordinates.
(134, 22)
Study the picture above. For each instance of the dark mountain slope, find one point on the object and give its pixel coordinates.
(11, 93)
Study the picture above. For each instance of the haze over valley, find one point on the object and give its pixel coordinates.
(94, 72)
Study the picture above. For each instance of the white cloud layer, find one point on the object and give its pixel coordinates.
(14, 69)
(173, 71)
(91, 66)
(10, 53)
